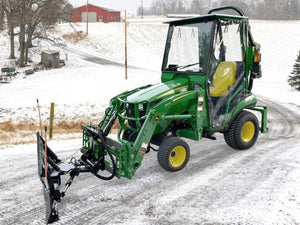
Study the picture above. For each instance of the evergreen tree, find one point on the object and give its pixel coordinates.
(294, 78)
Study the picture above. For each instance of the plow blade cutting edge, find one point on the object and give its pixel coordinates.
(51, 183)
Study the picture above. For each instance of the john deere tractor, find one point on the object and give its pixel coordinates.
(208, 69)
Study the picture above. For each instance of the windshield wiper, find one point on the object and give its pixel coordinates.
(174, 67)
(185, 66)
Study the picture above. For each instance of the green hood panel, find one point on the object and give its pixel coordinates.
(159, 91)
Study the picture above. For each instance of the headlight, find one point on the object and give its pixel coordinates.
(141, 107)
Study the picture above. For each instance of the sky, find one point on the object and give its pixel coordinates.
(121, 5)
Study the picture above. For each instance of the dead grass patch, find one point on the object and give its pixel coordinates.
(7, 126)
(10, 126)
(75, 36)
(25, 131)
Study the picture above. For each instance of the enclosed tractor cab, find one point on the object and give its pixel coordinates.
(207, 75)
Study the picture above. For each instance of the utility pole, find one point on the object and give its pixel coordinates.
(87, 17)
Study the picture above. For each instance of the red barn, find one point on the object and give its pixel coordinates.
(95, 14)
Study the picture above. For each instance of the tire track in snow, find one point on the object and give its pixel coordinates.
(284, 123)
(99, 60)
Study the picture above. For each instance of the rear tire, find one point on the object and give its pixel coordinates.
(173, 154)
(243, 131)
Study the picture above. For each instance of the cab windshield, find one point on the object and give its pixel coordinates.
(187, 47)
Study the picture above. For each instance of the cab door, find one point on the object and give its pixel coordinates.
(226, 77)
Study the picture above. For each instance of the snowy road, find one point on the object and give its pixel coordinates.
(218, 186)
(95, 59)
(92, 58)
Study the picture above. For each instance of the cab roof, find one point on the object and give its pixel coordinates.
(208, 17)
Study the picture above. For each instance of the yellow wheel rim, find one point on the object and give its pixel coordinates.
(177, 156)
(248, 131)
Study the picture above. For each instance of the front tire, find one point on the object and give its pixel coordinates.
(173, 154)
(243, 131)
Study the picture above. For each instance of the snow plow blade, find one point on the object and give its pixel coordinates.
(51, 182)
(51, 168)
(48, 183)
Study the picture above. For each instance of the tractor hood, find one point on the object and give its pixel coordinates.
(159, 91)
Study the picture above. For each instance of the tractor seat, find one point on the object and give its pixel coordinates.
(223, 78)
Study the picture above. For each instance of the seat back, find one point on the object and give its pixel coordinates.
(223, 78)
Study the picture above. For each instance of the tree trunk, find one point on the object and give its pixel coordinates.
(12, 42)
(1, 20)
(22, 45)
(28, 45)
(26, 53)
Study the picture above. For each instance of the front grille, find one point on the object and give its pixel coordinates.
(131, 112)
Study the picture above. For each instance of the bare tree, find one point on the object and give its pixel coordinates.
(156, 7)
(267, 9)
(261, 9)
(239, 3)
(9, 8)
(198, 7)
(162, 7)
(40, 16)
(31, 16)
(1, 19)
(180, 7)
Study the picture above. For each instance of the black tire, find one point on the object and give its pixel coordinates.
(173, 154)
(243, 131)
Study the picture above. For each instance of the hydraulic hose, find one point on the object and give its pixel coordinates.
(113, 172)
(99, 135)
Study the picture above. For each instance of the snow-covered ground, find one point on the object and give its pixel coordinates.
(218, 186)
(279, 46)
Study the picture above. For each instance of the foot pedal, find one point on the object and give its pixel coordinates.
(209, 136)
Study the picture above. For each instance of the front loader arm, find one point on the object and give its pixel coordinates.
(165, 110)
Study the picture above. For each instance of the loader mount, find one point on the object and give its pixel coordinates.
(208, 69)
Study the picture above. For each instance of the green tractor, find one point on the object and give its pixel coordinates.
(208, 69)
